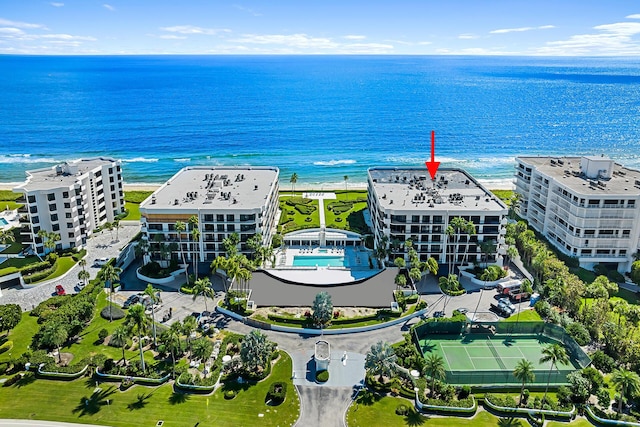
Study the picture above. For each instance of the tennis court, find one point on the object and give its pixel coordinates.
(490, 359)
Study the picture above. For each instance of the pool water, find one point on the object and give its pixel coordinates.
(3, 222)
(321, 261)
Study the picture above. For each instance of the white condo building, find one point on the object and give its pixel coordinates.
(71, 199)
(587, 207)
(406, 204)
(225, 200)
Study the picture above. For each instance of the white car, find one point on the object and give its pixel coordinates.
(99, 262)
(504, 302)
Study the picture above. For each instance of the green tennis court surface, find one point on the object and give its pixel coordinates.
(490, 359)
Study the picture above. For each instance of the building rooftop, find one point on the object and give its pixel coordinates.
(62, 175)
(210, 187)
(322, 350)
(412, 189)
(569, 171)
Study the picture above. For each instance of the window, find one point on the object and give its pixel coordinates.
(67, 205)
(67, 215)
(98, 174)
(71, 235)
(35, 219)
(415, 218)
(69, 225)
(52, 207)
(54, 217)
(437, 219)
(65, 194)
(208, 218)
(31, 199)
(220, 227)
(231, 218)
(56, 227)
(586, 252)
(231, 227)
(51, 196)
(220, 218)
(33, 209)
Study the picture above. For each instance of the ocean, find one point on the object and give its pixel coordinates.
(322, 117)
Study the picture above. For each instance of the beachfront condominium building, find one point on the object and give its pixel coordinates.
(223, 200)
(71, 199)
(587, 207)
(406, 204)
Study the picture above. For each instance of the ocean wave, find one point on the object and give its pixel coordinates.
(335, 162)
(140, 160)
(25, 158)
(182, 160)
(421, 160)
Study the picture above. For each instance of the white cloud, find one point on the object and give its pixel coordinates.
(109, 7)
(11, 31)
(248, 10)
(425, 43)
(292, 40)
(192, 29)
(468, 36)
(475, 51)
(634, 16)
(171, 37)
(67, 37)
(56, 4)
(19, 24)
(354, 37)
(611, 39)
(521, 29)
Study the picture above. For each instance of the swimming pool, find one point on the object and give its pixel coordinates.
(3, 222)
(321, 261)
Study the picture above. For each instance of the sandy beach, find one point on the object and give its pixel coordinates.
(492, 184)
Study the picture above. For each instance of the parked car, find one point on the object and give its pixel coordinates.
(60, 290)
(438, 314)
(99, 262)
(133, 299)
(504, 302)
(80, 285)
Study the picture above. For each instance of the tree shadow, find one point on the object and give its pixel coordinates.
(509, 422)
(428, 347)
(26, 380)
(368, 397)
(177, 398)
(415, 418)
(140, 402)
(91, 405)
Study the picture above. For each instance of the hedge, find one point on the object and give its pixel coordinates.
(322, 376)
(8, 345)
(277, 392)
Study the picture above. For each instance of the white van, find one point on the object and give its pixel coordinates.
(99, 262)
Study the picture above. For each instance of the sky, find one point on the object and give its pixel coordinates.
(390, 27)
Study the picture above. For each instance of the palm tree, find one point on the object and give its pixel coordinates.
(203, 287)
(141, 249)
(139, 323)
(6, 236)
(84, 275)
(180, 228)
(202, 349)
(431, 264)
(189, 325)
(256, 350)
(109, 226)
(400, 281)
(487, 247)
(470, 229)
(171, 340)
(459, 224)
(119, 338)
(381, 360)
(154, 297)
(293, 180)
(434, 368)
(111, 274)
(512, 253)
(555, 354)
(230, 244)
(346, 177)
(55, 335)
(117, 226)
(626, 382)
(449, 283)
(82, 263)
(322, 309)
(449, 232)
(524, 372)
(195, 236)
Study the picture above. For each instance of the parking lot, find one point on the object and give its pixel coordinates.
(101, 245)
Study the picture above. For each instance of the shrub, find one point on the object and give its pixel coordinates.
(322, 376)
(635, 272)
(543, 308)
(579, 333)
(103, 334)
(604, 399)
(8, 345)
(402, 409)
(11, 381)
(277, 392)
(229, 394)
(525, 395)
(116, 313)
(464, 392)
(421, 305)
(615, 276)
(603, 362)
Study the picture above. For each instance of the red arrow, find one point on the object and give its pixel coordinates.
(433, 165)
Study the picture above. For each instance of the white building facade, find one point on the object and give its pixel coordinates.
(71, 199)
(224, 200)
(587, 207)
(405, 204)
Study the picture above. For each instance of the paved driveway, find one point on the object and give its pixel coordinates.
(101, 245)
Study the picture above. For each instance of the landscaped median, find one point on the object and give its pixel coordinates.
(446, 409)
(508, 410)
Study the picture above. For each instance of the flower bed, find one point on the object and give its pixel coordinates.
(465, 407)
(495, 403)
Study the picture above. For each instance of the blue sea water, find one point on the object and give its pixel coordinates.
(322, 117)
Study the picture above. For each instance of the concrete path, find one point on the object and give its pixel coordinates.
(323, 406)
(320, 198)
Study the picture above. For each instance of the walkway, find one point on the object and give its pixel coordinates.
(320, 198)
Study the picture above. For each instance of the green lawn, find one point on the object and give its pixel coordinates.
(525, 316)
(367, 412)
(21, 336)
(504, 195)
(67, 401)
(16, 246)
(585, 275)
(10, 205)
(133, 211)
(12, 264)
(64, 264)
(132, 200)
(350, 219)
(291, 219)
